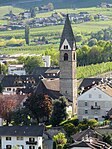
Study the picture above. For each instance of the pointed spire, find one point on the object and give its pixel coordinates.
(67, 33)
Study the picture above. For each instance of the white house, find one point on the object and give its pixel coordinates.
(25, 137)
(16, 69)
(47, 60)
(95, 103)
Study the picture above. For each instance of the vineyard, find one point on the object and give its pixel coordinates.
(93, 70)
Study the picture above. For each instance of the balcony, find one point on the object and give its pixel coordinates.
(95, 107)
(31, 142)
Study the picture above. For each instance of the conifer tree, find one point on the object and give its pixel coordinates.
(27, 32)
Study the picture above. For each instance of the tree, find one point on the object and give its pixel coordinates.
(27, 32)
(32, 62)
(60, 140)
(3, 68)
(50, 6)
(33, 13)
(42, 109)
(59, 111)
(7, 105)
(21, 116)
(69, 128)
(92, 42)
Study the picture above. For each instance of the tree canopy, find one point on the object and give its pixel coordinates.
(40, 106)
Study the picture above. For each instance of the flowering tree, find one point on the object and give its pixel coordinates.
(7, 104)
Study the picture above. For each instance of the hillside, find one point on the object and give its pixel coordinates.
(57, 3)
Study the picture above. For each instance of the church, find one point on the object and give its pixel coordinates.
(53, 81)
(66, 83)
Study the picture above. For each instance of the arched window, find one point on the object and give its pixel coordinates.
(66, 47)
(65, 57)
(74, 56)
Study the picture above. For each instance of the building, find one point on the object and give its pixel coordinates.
(16, 69)
(88, 139)
(47, 60)
(95, 102)
(15, 84)
(68, 81)
(25, 137)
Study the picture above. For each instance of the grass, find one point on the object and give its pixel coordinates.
(6, 9)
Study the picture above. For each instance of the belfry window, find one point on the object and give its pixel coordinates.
(65, 57)
(66, 47)
(74, 56)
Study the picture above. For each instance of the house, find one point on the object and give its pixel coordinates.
(16, 69)
(25, 137)
(95, 102)
(88, 83)
(25, 15)
(91, 133)
(15, 84)
(47, 60)
(88, 139)
(90, 143)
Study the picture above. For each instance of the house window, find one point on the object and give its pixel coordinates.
(31, 139)
(65, 46)
(99, 95)
(31, 147)
(20, 146)
(86, 103)
(96, 104)
(8, 89)
(8, 146)
(19, 138)
(65, 57)
(90, 96)
(86, 111)
(8, 138)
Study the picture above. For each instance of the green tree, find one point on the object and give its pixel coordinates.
(60, 140)
(33, 13)
(27, 32)
(40, 106)
(69, 128)
(32, 62)
(3, 68)
(78, 38)
(21, 116)
(59, 111)
(92, 42)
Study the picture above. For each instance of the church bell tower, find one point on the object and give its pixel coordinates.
(68, 81)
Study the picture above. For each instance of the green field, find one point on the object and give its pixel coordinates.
(6, 9)
(53, 33)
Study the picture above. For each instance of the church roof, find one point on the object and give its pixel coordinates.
(49, 87)
(67, 33)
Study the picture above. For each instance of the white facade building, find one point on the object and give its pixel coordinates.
(16, 69)
(47, 60)
(95, 103)
(25, 137)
